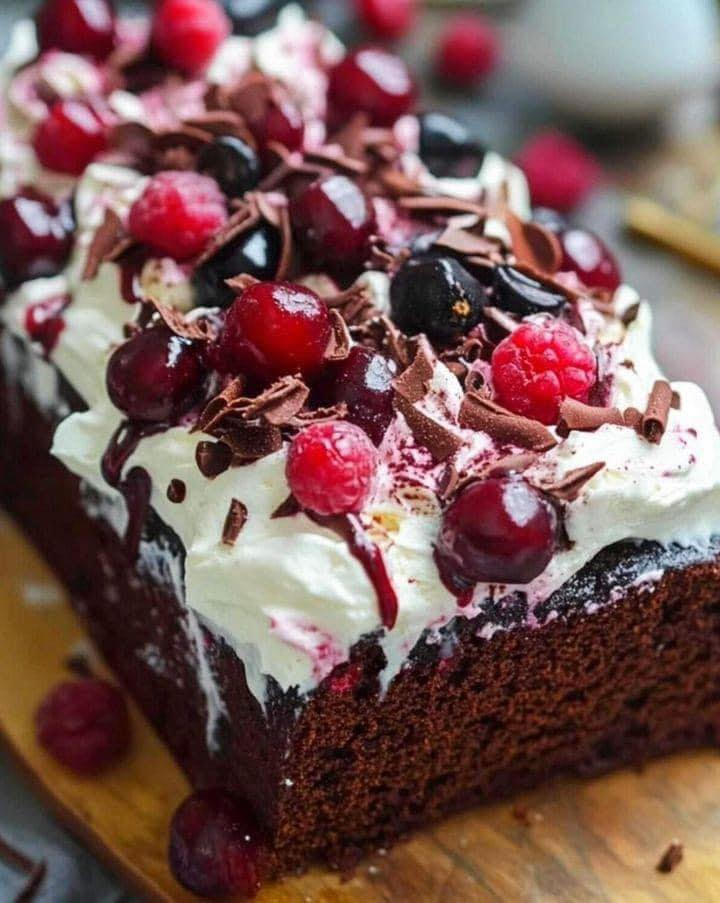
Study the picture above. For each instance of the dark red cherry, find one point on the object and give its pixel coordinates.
(274, 329)
(215, 845)
(70, 137)
(363, 381)
(36, 237)
(86, 27)
(84, 724)
(277, 120)
(155, 375)
(373, 81)
(590, 259)
(333, 221)
(498, 530)
(44, 321)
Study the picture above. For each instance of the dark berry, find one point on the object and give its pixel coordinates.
(517, 293)
(275, 329)
(187, 33)
(333, 220)
(560, 172)
(155, 375)
(256, 253)
(539, 365)
(250, 17)
(70, 137)
(589, 258)
(178, 213)
(363, 381)
(436, 296)
(215, 845)
(331, 468)
(278, 120)
(469, 50)
(498, 530)
(84, 724)
(86, 27)
(373, 81)
(446, 147)
(550, 219)
(232, 163)
(36, 237)
(389, 19)
(44, 321)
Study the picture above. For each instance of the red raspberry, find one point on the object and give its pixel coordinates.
(186, 33)
(70, 137)
(389, 19)
(560, 172)
(77, 26)
(539, 365)
(84, 724)
(178, 214)
(331, 468)
(469, 50)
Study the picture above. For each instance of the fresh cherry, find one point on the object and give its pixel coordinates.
(215, 845)
(84, 724)
(155, 375)
(446, 147)
(437, 296)
(518, 293)
(373, 81)
(497, 530)
(36, 237)
(232, 163)
(256, 253)
(70, 137)
(85, 27)
(333, 220)
(590, 259)
(278, 120)
(363, 381)
(274, 329)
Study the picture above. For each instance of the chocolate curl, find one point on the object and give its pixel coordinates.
(572, 484)
(413, 383)
(466, 243)
(212, 458)
(108, 243)
(532, 244)
(423, 204)
(176, 491)
(220, 405)
(245, 218)
(251, 441)
(278, 404)
(235, 520)
(482, 414)
(340, 342)
(574, 415)
(199, 330)
(286, 238)
(655, 419)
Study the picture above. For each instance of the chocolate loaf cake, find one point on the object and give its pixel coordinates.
(362, 477)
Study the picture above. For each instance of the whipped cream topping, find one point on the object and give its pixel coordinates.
(288, 595)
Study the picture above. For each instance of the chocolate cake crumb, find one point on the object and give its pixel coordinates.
(671, 858)
(176, 491)
(234, 522)
(655, 419)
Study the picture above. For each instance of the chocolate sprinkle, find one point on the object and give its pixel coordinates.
(176, 491)
(575, 415)
(212, 458)
(671, 858)
(234, 522)
(482, 414)
(568, 489)
(655, 419)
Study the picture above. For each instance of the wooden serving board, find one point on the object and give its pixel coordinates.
(577, 841)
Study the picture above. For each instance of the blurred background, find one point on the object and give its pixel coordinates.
(621, 98)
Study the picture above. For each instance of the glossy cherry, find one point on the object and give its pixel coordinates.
(215, 845)
(70, 137)
(363, 381)
(590, 259)
(232, 163)
(333, 220)
(446, 147)
(155, 375)
(36, 237)
(373, 81)
(85, 27)
(277, 120)
(498, 530)
(274, 329)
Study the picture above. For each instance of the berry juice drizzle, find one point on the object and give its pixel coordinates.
(44, 321)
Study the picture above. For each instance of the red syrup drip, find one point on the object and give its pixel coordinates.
(123, 443)
(136, 489)
(369, 555)
(462, 591)
(44, 321)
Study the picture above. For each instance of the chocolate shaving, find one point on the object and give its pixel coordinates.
(251, 441)
(482, 414)
(212, 458)
(235, 520)
(352, 136)
(333, 155)
(176, 491)
(240, 283)
(339, 345)
(289, 508)
(633, 419)
(424, 204)
(467, 243)
(279, 403)
(510, 464)
(286, 237)
(676, 401)
(574, 415)
(243, 220)
(412, 385)
(432, 435)
(319, 415)
(501, 318)
(655, 419)
(199, 329)
(448, 482)
(221, 404)
(671, 858)
(396, 184)
(109, 235)
(630, 314)
(222, 122)
(572, 484)
(533, 245)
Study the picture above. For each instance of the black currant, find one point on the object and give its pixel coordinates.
(232, 163)
(250, 17)
(518, 293)
(446, 147)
